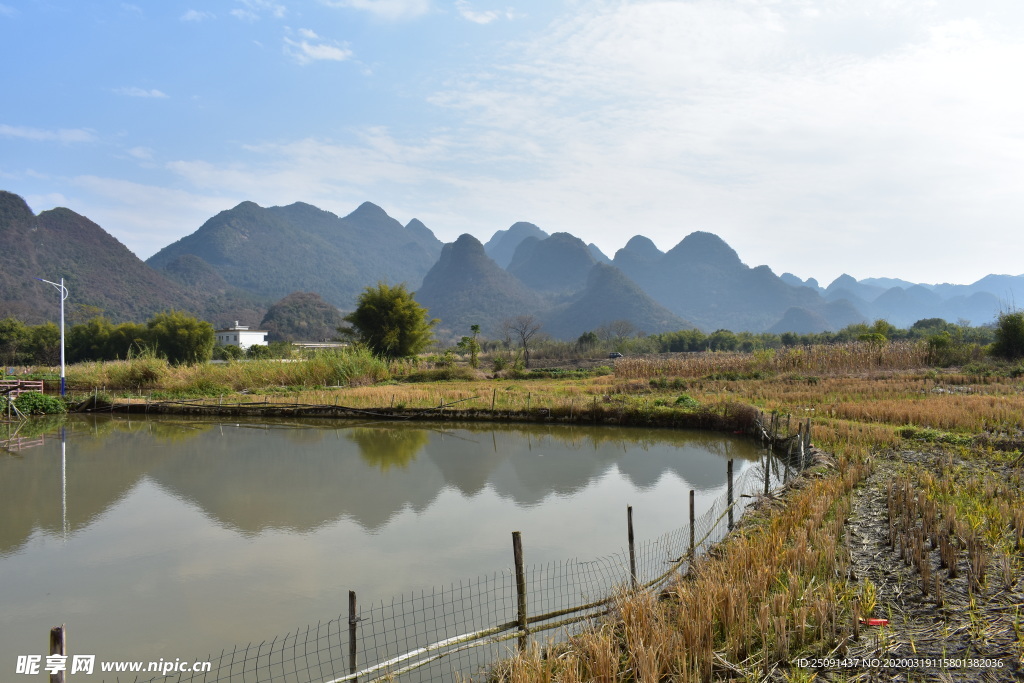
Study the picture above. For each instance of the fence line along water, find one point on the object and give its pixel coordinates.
(461, 629)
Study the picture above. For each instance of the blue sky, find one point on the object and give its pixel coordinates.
(873, 137)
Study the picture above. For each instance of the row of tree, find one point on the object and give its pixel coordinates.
(174, 335)
(390, 322)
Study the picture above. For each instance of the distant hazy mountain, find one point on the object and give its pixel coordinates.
(100, 273)
(607, 297)
(903, 303)
(638, 254)
(271, 252)
(466, 287)
(703, 280)
(598, 255)
(559, 263)
(800, 321)
(502, 245)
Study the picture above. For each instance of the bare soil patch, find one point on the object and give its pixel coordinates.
(940, 626)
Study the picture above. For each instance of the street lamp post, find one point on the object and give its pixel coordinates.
(63, 295)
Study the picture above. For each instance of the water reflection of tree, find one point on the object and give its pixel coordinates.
(387, 447)
(32, 428)
(169, 430)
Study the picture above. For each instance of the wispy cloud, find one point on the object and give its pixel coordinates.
(197, 15)
(7, 11)
(141, 92)
(257, 8)
(140, 153)
(329, 173)
(157, 215)
(385, 9)
(466, 11)
(43, 135)
(307, 47)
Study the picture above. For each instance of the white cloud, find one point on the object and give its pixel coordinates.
(43, 202)
(245, 15)
(43, 135)
(309, 47)
(197, 15)
(141, 92)
(385, 9)
(7, 11)
(466, 11)
(319, 169)
(254, 8)
(142, 217)
(141, 153)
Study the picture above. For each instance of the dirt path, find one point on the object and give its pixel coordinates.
(931, 615)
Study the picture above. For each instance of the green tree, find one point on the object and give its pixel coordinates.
(258, 351)
(390, 322)
(587, 341)
(722, 340)
(14, 340)
(90, 340)
(44, 343)
(180, 337)
(1009, 343)
(228, 352)
(472, 345)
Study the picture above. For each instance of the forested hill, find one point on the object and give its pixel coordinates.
(100, 272)
(272, 252)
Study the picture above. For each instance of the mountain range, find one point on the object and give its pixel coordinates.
(243, 260)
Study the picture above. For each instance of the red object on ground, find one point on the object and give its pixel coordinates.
(875, 622)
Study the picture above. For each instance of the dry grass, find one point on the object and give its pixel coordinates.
(780, 588)
(839, 358)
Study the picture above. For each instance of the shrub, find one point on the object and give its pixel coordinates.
(34, 403)
(686, 401)
(1009, 342)
(442, 374)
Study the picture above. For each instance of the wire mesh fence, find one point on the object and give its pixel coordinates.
(458, 631)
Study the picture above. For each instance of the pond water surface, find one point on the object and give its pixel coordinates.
(177, 538)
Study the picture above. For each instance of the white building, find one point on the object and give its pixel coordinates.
(241, 336)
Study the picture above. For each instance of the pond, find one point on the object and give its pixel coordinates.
(175, 538)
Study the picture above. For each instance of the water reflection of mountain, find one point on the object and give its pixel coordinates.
(299, 477)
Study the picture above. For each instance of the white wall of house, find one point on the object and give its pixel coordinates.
(241, 336)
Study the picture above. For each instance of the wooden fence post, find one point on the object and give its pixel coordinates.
(802, 437)
(58, 646)
(767, 470)
(632, 552)
(517, 554)
(352, 621)
(728, 473)
(691, 526)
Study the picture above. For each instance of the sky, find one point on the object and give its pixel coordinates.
(878, 138)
